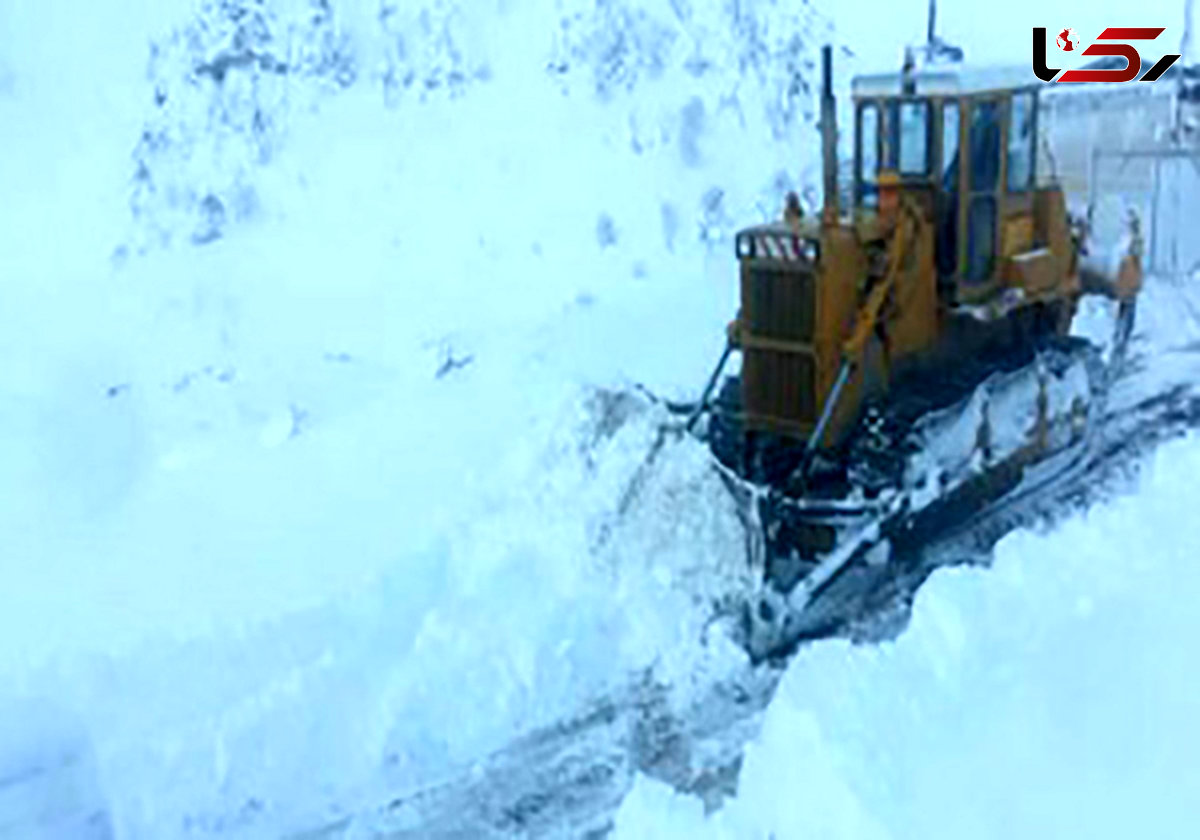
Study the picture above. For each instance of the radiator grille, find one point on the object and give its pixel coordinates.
(779, 304)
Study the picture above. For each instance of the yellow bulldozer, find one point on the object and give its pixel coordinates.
(907, 359)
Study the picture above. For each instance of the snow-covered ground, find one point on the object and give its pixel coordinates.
(314, 468)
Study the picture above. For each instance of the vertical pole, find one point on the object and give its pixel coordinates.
(1092, 174)
(1154, 199)
(1185, 41)
(708, 387)
(1185, 50)
(828, 137)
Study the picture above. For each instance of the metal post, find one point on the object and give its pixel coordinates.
(1185, 40)
(1154, 199)
(708, 388)
(829, 136)
(1093, 168)
(831, 401)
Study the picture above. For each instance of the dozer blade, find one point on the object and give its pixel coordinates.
(1017, 436)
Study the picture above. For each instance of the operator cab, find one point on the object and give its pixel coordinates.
(923, 126)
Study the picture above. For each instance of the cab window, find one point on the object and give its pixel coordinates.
(947, 241)
(985, 146)
(913, 130)
(984, 140)
(981, 238)
(1021, 146)
(950, 146)
(868, 153)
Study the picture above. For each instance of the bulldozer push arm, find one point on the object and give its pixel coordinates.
(869, 316)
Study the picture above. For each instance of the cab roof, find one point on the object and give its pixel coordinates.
(947, 82)
(957, 79)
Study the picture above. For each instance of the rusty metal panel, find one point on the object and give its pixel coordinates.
(1017, 235)
(1052, 228)
(1034, 271)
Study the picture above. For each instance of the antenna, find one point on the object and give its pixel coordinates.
(1185, 41)
(1187, 60)
(935, 48)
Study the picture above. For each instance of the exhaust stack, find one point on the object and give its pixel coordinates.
(828, 137)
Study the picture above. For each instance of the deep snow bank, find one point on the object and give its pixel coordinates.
(522, 606)
(300, 503)
(1049, 696)
(439, 221)
(464, 214)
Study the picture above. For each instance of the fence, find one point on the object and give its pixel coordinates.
(1163, 186)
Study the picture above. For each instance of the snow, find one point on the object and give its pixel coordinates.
(1048, 696)
(313, 465)
(310, 499)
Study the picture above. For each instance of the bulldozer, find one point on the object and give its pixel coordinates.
(906, 351)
